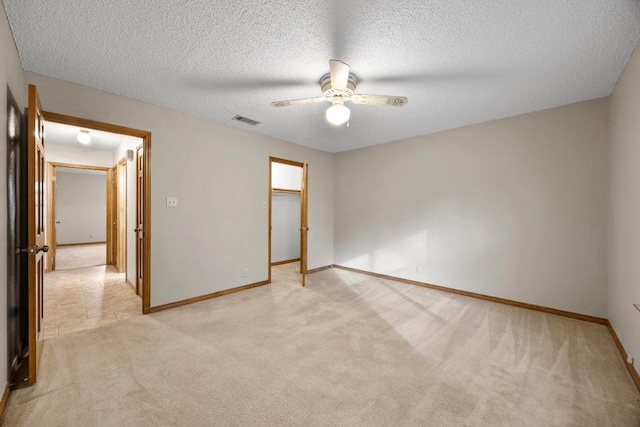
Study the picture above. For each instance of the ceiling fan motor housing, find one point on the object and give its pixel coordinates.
(329, 91)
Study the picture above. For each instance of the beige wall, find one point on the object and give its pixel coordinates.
(513, 208)
(624, 236)
(81, 207)
(220, 176)
(10, 75)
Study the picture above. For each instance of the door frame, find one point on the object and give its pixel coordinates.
(117, 216)
(303, 212)
(120, 200)
(52, 208)
(112, 216)
(304, 220)
(146, 142)
(139, 223)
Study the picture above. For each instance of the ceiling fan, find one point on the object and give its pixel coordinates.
(338, 87)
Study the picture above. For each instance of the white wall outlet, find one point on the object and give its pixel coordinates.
(172, 202)
(419, 269)
(264, 205)
(630, 359)
(245, 272)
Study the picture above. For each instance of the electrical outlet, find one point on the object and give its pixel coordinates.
(419, 269)
(245, 272)
(630, 359)
(172, 202)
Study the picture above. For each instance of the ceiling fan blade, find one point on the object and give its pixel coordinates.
(391, 101)
(298, 101)
(339, 74)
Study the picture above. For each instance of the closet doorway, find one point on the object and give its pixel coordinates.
(288, 224)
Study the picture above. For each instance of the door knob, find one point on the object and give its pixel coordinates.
(304, 228)
(137, 229)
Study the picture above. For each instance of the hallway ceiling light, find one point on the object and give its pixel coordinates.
(84, 137)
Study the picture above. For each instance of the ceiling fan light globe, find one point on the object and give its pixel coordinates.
(338, 114)
(84, 137)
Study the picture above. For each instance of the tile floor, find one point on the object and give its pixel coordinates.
(86, 298)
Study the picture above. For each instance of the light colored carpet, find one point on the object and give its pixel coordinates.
(348, 350)
(79, 256)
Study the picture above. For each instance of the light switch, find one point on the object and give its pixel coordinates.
(172, 202)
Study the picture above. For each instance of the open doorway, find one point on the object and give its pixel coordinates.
(29, 192)
(76, 212)
(88, 282)
(288, 214)
(135, 153)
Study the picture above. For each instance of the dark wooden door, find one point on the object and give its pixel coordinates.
(17, 273)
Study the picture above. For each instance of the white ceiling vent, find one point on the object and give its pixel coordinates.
(246, 120)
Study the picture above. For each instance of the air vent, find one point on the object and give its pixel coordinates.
(246, 120)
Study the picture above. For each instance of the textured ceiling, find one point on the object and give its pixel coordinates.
(458, 61)
(59, 134)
